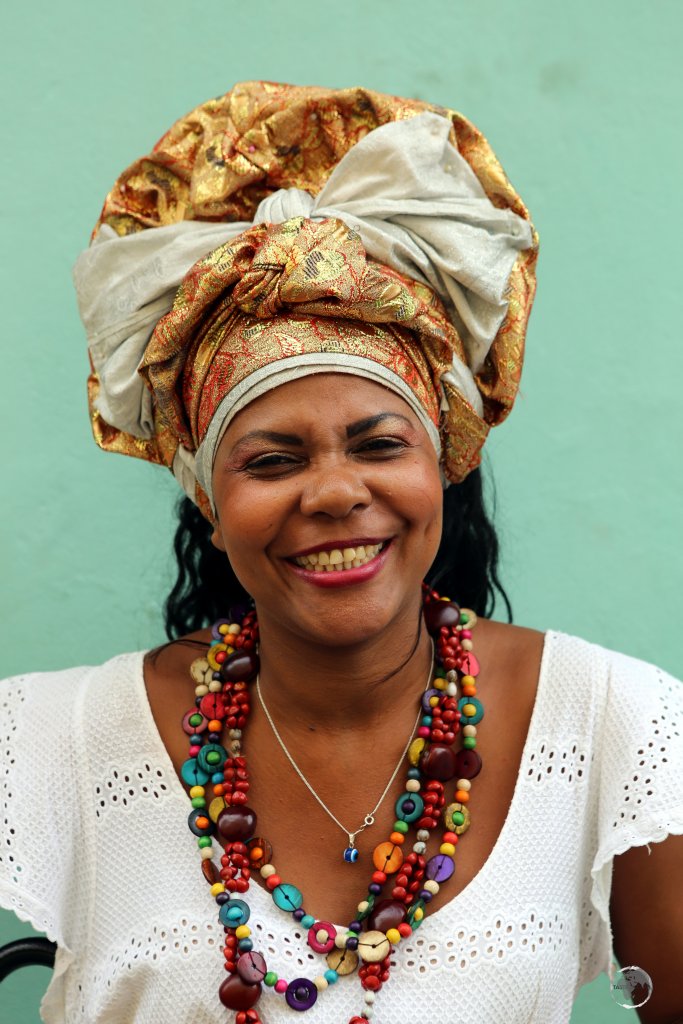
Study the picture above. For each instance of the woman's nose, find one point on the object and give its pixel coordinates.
(334, 491)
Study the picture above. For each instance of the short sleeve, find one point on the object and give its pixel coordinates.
(640, 777)
(42, 847)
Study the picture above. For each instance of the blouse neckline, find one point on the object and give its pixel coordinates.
(158, 749)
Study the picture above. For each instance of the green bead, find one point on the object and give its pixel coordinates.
(464, 619)
(198, 801)
(401, 826)
(203, 841)
(213, 757)
(440, 673)
(196, 719)
(458, 817)
(270, 978)
(469, 742)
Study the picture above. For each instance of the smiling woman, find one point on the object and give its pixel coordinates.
(311, 306)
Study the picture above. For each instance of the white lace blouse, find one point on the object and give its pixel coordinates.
(95, 851)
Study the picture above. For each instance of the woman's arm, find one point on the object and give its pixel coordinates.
(646, 907)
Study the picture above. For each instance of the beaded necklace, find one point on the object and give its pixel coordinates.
(222, 701)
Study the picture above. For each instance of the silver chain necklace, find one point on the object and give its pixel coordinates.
(351, 853)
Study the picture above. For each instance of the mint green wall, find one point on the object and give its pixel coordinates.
(582, 103)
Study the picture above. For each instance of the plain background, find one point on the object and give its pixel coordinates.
(582, 104)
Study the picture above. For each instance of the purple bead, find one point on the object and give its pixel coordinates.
(298, 914)
(426, 697)
(408, 806)
(222, 898)
(355, 926)
(425, 895)
(352, 942)
(375, 888)
(440, 867)
(301, 994)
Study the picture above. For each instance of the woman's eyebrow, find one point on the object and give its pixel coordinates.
(352, 430)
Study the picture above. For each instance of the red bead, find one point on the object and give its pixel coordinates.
(371, 983)
(405, 930)
(441, 614)
(236, 823)
(273, 882)
(439, 762)
(237, 995)
(379, 877)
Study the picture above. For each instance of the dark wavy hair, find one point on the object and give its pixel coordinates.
(465, 568)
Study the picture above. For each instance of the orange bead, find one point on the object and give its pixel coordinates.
(218, 789)
(202, 822)
(387, 857)
(462, 796)
(469, 691)
(255, 853)
(214, 725)
(397, 838)
(450, 837)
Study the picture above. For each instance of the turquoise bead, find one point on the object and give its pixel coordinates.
(287, 897)
(427, 720)
(330, 976)
(409, 798)
(234, 913)
(475, 718)
(211, 757)
(307, 921)
(192, 774)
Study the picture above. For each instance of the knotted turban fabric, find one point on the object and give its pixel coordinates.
(282, 230)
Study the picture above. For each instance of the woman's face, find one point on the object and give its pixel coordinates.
(327, 470)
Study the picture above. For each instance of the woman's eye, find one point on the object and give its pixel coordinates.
(382, 445)
(267, 461)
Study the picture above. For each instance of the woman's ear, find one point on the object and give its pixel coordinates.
(217, 539)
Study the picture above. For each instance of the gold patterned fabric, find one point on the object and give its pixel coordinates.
(301, 286)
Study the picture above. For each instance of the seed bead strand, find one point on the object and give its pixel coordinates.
(222, 700)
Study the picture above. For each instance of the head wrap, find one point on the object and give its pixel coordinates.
(281, 230)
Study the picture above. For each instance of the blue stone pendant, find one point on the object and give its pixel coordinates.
(350, 854)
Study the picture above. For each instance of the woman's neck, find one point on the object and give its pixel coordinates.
(331, 689)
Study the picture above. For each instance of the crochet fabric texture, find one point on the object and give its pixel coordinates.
(95, 851)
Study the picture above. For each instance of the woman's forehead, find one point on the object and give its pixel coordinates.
(334, 398)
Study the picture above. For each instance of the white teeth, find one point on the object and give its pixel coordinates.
(337, 560)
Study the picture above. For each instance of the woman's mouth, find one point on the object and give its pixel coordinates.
(341, 566)
(339, 559)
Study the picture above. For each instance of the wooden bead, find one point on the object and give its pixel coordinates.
(387, 858)
(373, 946)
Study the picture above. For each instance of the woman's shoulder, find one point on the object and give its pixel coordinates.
(51, 695)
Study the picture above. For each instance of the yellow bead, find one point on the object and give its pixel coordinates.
(440, 684)
(394, 936)
(216, 888)
(447, 848)
(468, 681)
(419, 914)
(469, 709)
(197, 791)
(243, 931)
(433, 701)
